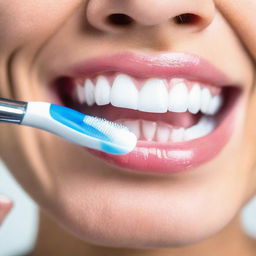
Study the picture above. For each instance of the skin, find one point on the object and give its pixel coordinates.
(95, 209)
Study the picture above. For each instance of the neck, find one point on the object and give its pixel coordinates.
(53, 240)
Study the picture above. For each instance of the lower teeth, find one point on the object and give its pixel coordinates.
(205, 126)
(162, 132)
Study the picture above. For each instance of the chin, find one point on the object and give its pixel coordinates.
(145, 216)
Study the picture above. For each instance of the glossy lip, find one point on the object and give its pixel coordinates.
(140, 65)
(168, 158)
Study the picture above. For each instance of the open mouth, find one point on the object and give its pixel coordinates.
(181, 119)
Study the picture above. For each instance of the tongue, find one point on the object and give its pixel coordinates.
(112, 113)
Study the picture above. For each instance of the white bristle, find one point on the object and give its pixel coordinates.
(104, 126)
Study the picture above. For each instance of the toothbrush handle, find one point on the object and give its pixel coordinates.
(12, 111)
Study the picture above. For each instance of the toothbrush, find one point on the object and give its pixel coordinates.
(81, 129)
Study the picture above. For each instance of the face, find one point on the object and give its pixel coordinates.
(184, 84)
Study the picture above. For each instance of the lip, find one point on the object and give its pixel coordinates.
(168, 158)
(166, 65)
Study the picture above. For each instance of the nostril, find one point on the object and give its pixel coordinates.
(119, 19)
(186, 18)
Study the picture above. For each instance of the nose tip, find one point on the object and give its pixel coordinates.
(118, 15)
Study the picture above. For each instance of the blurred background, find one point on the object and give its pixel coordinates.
(19, 231)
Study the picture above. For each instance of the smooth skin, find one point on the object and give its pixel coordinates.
(90, 208)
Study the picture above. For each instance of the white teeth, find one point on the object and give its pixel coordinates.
(134, 127)
(124, 93)
(102, 91)
(205, 126)
(178, 98)
(153, 97)
(215, 105)
(194, 102)
(205, 100)
(162, 133)
(149, 130)
(80, 94)
(177, 135)
(89, 90)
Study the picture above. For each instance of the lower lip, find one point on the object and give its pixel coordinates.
(152, 158)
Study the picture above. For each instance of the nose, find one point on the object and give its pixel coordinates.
(118, 15)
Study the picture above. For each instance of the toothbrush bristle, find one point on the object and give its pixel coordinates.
(105, 126)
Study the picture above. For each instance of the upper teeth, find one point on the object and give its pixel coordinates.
(124, 93)
(102, 91)
(153, 97)
(156, 95)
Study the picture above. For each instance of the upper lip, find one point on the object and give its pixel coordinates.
(165, 65)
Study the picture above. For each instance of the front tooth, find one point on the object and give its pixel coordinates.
(177, 135)
(124, 93)
(194, 104)
(215, 105)
(89, 92)
(205, 126)
(133, 126)
(153, 96)
(162, 133)
(178, 98)
(205, 100)
(102, 91)
(149, 129)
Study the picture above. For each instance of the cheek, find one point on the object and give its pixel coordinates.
(250, 138)
(31, 20)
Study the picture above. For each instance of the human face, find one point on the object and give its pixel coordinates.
(130, 203)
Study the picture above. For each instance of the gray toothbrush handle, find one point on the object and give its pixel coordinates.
(12, 111)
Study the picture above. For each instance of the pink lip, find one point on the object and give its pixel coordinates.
(168, 158)
(144, 66)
